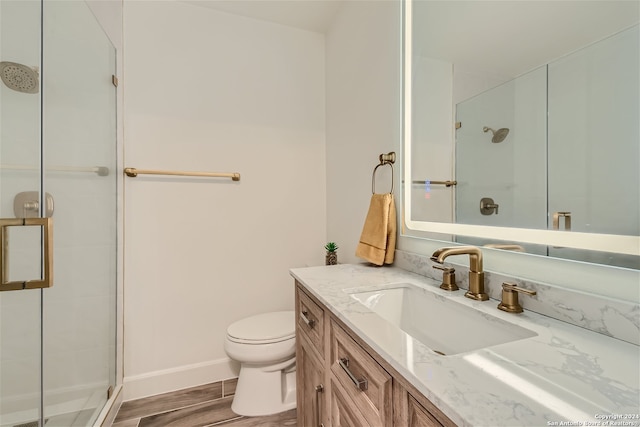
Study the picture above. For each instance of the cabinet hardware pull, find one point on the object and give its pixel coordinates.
(310, 322)
(362, 384)
(319, 389)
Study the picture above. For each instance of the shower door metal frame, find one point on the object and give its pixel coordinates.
(47, 250)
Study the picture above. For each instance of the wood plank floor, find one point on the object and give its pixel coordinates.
(202, 406)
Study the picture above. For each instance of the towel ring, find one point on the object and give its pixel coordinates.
(373, 177)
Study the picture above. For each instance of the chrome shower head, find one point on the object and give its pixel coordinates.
(498, 135)
(19, 77)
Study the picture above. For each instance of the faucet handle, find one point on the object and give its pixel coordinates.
(448, 278)
(510, 302)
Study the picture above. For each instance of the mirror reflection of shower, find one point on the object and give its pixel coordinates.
(19, 77)
(498, 135)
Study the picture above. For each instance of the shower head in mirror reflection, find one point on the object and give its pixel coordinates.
(498, 135)
(19, 77)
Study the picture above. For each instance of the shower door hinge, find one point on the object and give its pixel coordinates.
(114, 80)
(109, 392)
(458, 125)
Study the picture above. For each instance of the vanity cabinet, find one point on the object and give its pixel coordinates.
(342, 382)
(311, 389)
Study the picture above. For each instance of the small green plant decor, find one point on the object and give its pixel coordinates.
(332, 253)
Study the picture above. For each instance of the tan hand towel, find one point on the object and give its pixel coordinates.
(378, 240)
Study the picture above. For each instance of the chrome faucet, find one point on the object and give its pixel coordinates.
(476, 275)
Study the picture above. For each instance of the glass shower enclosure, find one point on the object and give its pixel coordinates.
(58, 210)
(570, 160)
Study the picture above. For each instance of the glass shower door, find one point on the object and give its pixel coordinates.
(57, 160)
(593, 144)
(502, 171)
(79, 133)
(20, 173)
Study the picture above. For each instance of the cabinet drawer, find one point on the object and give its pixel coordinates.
(310, 320)
(368, 384)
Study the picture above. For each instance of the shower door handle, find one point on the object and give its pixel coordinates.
(567, 220)
(47, 250)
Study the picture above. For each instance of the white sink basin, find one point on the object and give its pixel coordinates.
(445, 326)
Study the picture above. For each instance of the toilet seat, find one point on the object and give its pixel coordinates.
(259, 342)
(264, 328)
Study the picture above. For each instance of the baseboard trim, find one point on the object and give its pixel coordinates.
(168, 380)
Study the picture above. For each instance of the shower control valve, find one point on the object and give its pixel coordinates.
(488, 206)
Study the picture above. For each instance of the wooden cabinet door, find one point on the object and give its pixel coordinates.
(310, 387)
(408, 411)
(419, 416)
(343, 411)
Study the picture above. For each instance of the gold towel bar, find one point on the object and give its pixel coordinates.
(133, 172)
(99, 170)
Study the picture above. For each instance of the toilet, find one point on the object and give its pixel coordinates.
(265, 346)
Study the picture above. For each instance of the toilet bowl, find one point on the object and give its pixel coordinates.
(265, 346)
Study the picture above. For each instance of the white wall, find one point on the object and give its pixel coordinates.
(363, 114)
(210, 91)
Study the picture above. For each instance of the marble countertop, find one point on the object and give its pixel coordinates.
(565, 375)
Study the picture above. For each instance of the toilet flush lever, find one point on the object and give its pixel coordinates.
(304, 316)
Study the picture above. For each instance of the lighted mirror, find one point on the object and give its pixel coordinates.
(521, 126)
